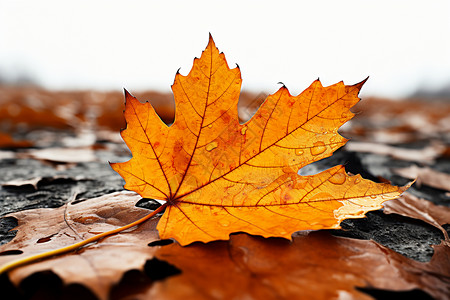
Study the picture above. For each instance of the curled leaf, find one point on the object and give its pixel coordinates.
(411, 206)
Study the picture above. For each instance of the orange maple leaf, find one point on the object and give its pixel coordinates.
(218, 176)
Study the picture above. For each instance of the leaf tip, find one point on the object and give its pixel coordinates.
(211, 41)
(128, 95)
(407, 186)
(360, 84)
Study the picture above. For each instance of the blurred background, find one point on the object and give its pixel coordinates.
(63, 65)
(403, 45)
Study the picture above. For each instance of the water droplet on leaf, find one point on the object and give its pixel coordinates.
(338, 178)
(299, 151)
(211, 146)
(319, 148)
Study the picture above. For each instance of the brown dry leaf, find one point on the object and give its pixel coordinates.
(313, 266)
(96, 266)
(410, 206)
(218, 176)
(425, 175)
(424, 155)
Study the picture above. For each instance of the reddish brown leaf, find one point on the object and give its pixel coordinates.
(426, 176)
(313, 266)
(410, 206)
(97, 266)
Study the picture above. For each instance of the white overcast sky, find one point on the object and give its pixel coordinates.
(139, 45)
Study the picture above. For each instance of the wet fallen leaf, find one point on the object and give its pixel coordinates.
(425, 176)
(314, 266)
(218, 176)
(424, 155)
(411, 206)
(96, 266)
(34, 182)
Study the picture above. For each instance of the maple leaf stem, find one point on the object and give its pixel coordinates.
(33, 258)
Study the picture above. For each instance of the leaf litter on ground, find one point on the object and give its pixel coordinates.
(285, 179)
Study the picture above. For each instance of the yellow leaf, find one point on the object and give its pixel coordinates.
(218, 176)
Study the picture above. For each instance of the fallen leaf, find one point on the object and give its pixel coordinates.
(425, 175)
(424, 155)
(313, 266)
(34, 182)
(62, 155)
(97, 266)
(441, 260)
(218, 176)
(411, 206)
(404, 121)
